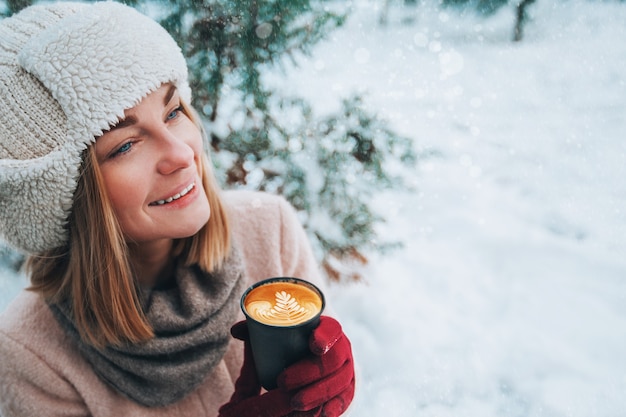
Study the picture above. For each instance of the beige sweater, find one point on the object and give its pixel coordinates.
(42, 373)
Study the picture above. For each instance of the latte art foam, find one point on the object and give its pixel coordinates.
(282, 304)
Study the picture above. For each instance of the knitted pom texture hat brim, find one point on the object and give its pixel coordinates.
(67, 73)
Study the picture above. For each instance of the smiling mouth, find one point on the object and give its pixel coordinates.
(175, 197)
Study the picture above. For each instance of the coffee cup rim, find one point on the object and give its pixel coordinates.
(283, 279)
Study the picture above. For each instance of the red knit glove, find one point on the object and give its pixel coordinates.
(322, 384)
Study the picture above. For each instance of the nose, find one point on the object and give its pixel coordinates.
(174, 152)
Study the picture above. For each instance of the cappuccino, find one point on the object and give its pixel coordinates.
(281, 313)
(283, 303)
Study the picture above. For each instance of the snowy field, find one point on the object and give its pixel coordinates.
(509, 298)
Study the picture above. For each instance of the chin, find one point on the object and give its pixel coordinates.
(192, 231)
(201, 220)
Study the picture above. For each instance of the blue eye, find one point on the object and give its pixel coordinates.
(175, 113)
(123, 149)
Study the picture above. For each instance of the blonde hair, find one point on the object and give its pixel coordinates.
(93, 271)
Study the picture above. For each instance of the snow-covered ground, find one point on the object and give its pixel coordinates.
(509, 298)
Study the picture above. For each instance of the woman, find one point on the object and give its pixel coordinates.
(137, 260)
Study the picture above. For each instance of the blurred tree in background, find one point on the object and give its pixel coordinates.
(482, 6)
(328, 167)
(13, 6)
(488, 7)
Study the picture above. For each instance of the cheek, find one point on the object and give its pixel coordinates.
(124, 187)
(194, 137)
(199, 150)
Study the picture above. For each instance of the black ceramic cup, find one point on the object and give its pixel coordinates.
(280, 313)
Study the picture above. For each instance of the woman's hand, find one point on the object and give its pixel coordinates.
(321, 384)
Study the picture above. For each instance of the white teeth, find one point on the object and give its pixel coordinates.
(176, 196)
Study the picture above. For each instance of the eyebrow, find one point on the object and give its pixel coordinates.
(170, 93)
(131, 120)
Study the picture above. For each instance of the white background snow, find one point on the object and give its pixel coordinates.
(509, 297)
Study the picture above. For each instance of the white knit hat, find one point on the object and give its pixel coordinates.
(67, 73)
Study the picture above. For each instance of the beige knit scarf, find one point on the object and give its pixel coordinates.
(191, 322)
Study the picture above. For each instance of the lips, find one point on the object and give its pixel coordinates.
(175, 197)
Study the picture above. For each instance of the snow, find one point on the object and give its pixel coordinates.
(509, 297)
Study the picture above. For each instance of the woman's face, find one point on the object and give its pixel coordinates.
(151, 165)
